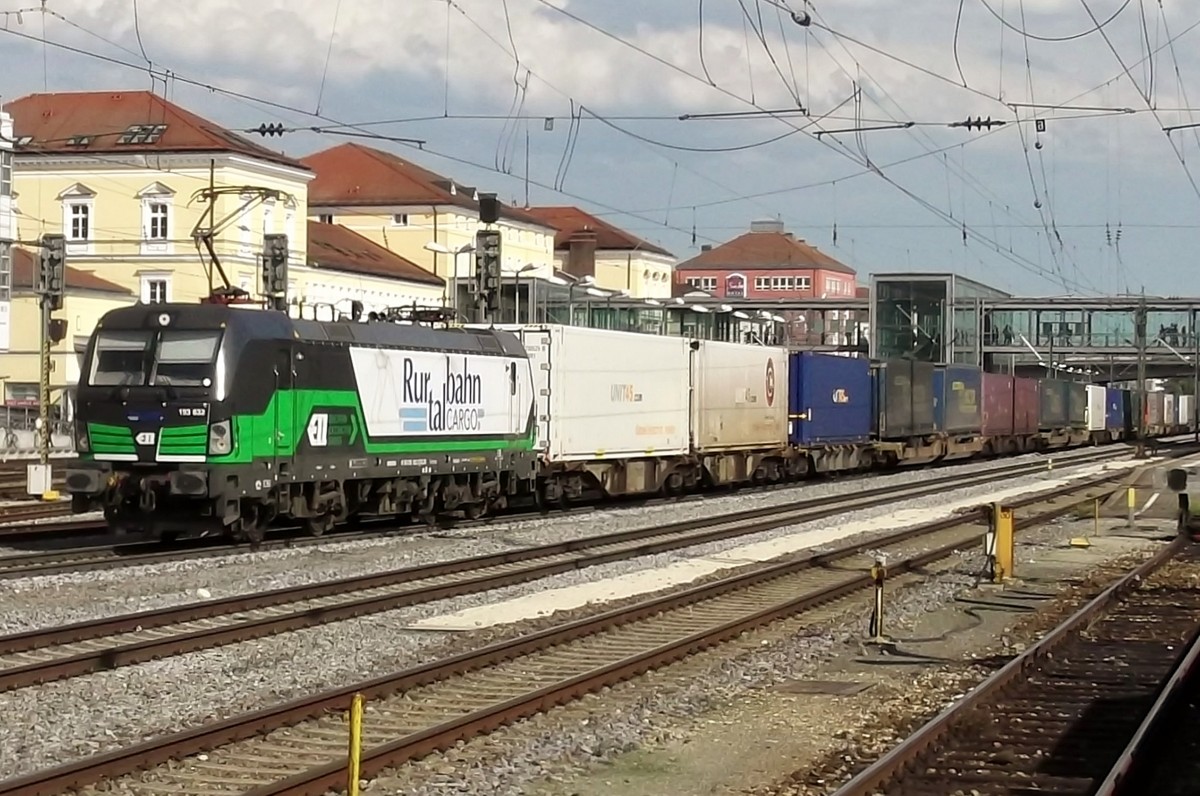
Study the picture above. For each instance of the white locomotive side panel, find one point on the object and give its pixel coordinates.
(604, 394)
(741, 396)
(433, 394)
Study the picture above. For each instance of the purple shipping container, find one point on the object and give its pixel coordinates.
(1026, 405)
(997, 405)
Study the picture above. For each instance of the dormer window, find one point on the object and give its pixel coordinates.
(399, 219)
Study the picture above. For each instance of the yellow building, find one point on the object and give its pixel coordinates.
(426, 218)
(618, 262)
(87, 298)
(127, 178)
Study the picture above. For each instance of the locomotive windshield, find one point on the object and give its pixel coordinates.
(173, 358)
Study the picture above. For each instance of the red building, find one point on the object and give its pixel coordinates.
(767, 263)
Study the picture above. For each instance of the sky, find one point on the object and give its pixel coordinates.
(833, 117)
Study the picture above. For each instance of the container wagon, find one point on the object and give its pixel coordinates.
(613, 412)
(904, 407)
(957, 415)
(830, 411)
(739, 411)
(996, 419)
(1027, 397)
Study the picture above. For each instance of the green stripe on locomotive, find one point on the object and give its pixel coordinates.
(109, 439)
(279, 431)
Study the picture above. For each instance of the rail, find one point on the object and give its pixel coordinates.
(1030, 707)
(431, 706)
(39, 656)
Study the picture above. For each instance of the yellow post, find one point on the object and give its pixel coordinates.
(1131, 503)
(1002, 527)
(878, 575)
(356, 716)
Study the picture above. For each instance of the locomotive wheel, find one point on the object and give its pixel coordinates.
(317, 526)
(250, 528)
(473, 511)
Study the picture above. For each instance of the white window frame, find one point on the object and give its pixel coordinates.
(268, 217)
(762, 283)
(803, 283)
(289, 227)
(157, 194)
(6, 172)
(325, 218)
(149, 278)
(246, 236)
(399, 219)
(85, 244)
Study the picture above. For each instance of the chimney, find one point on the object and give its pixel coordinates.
(767, 225)
(581, 260)
(705, 247)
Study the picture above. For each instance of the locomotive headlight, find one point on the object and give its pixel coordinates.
(82, 443)
(220, 438)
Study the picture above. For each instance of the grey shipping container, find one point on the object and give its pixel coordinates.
(904, 399)
(1077, 404)
(1055, 412)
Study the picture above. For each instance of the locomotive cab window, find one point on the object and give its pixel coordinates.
(185, 358)
(120, 359)
(179, 358)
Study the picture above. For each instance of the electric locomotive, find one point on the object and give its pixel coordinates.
(198, 419)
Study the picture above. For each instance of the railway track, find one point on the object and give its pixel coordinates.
(27, 512)
(298, 747)
(43, 655)
(138, 553)
(1057, 718)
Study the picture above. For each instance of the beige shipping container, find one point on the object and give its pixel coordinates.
(739, 399)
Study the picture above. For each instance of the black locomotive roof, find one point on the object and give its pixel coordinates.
(256, 323)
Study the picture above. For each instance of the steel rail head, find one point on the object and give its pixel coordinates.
(876, 777)
(1138, 748)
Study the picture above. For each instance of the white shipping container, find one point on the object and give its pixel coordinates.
(740, 396)
(604, 394)
(1097, 408)
(1187, 410)
(1170, 415)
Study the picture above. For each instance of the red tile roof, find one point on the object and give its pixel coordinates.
(24, 265)
(569, 220)
(335, 246)
(53, 120)
(764, 250)
(357, 175)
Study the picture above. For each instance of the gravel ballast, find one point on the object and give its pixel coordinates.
(46, 601)
(107, 710)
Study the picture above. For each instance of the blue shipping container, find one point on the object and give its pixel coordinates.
(829, 399)
(1114, 410)
(957, 391)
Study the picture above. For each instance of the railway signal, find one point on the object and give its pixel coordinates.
(275, 271)
(487, 274)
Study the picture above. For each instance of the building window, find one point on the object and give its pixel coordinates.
(80, 216)
(400, 219)
(156, 288)
(5, 273)
(762, 283)
(325, 218)
(703, 282)
(158, 221)
(6, 161)
(803, 283)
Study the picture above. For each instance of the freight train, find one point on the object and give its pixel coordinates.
(222, 419)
